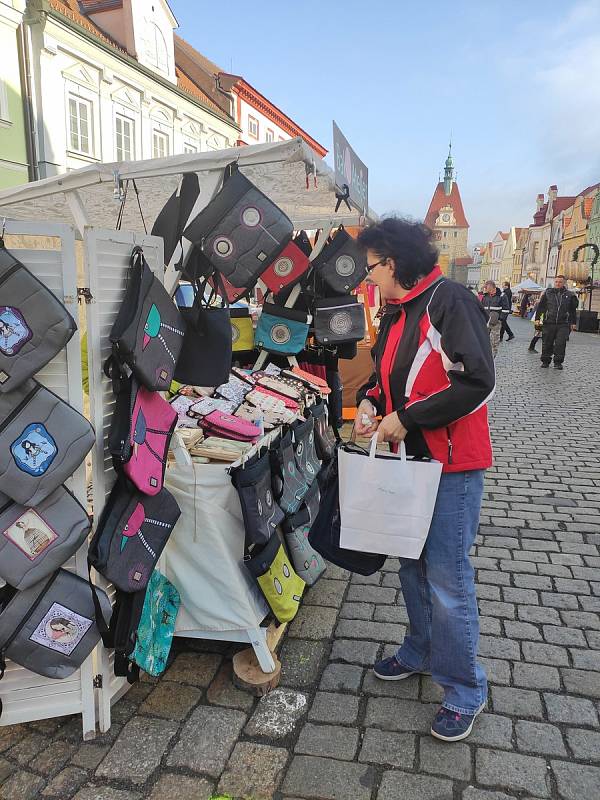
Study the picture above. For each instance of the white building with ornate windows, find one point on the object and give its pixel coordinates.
(106, 86)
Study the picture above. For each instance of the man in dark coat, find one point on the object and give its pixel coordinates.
(504, 328)
(558, 306)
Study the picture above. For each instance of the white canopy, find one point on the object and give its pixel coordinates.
(288, 172)
(528, 285)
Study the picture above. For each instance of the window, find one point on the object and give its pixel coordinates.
(455, 234)
(157, 48)
(270, 135)
(252, 127)
(80, 124)
(188, 147)
(4, 115)
(160, 144)
(124, 142)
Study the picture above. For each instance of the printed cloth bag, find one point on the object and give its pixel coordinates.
(141, 431)
(307, 562)
(228, 426)
(234, 390)
(148, 332)
(273, 571)
(339, 320)
(35, 542)
(42, 442)
(307, 460)
(50, 628)
(290, 404)
(242, 330)
(157, 625)
(325, 437)
(289, 484)
(342, 264)
(131, 534)
(260, 510)
(288, 267)
(34, 324)
(282, 330)
(241, 230)
(181, 404)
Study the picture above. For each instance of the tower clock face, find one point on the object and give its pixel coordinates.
(445, 217)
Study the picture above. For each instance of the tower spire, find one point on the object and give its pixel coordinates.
(449, 171)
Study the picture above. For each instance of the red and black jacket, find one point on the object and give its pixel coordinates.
(434, 367)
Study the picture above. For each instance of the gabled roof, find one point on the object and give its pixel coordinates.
(589, 189)
(201, 71)
(503, 235)
(441, 199)
(70, 10)
(561, 204)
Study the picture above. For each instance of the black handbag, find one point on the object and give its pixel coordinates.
(260, 510)
(324, 534)
(339, 320)
(288, 482)
(205, 358)
(342, 264)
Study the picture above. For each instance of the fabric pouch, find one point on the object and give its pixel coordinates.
(289, 266)
(131, 534)
(148, 332)
(292, 405)
(260, 510)
(274, 573)
(342, 264)
(34, 542)
(240, 230)
(289, 484)
(338, 320)
(42, 442)
(228, 426)
(307, 460)
(242, 330)
(50, 628)
(282, 330)
(309, 564)
(34, 324)
(157, 625)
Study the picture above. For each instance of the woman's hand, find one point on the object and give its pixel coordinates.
(365, 423)
(391, 429)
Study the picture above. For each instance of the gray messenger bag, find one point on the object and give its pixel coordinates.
(35, 542)
(42, 442)
(34, 324)
(51, 628)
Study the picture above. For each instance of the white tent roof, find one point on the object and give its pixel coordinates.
(280, 169)
(528, 285)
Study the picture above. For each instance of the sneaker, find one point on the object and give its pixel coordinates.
(532, 350)
(545, 366)
(558, 366)
(510, 338)
(390, 669)
(450, 726)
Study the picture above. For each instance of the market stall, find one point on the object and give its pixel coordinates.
(134, 194)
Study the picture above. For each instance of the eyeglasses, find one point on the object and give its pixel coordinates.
(371, 267)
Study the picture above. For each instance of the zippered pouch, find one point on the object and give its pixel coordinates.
(342, 264)
(282, 330)
(287, 401)
(273, 571)
(34, 324)
(217, 423)
(42, 442)
(50, 628)
(36, 541)
(287, 269)
(157, 625)
(338, 320)
(307, 460)
(289, 484)
(242, 330)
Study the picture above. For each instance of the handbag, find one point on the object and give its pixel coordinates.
(386, 501)
(37, 456)
(275, 576)
(157, 625)
(307, 562)
(240, 230)
(132, 532)
(50, 628)
(140, 434)
(34, 542)
(175, 213)
(242, 330)
(324, 533)
(289, 484)
(305, 451)
(260, 510)
(282, 330)
(228, 426)
(288, 267)
(325, 436)
(205, 357)
(339, 320)
(341, 264)
(148, 332)
(34, 324)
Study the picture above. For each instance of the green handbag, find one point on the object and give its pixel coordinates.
(157, 625)
(274, 573)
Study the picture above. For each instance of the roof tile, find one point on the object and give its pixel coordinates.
(441, 199)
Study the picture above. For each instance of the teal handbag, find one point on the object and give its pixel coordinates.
(282, 330)
(157, 625)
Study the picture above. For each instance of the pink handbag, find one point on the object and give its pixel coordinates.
(153, 421)
(218, 423)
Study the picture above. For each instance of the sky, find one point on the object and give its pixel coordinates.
(516, 84)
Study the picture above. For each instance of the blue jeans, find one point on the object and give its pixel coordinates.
(439, 592)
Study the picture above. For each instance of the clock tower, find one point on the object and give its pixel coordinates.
(446, 217)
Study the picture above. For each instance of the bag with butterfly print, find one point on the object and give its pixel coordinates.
(148, 332)
(131, 534)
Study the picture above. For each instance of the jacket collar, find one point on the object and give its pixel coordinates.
(425, 283)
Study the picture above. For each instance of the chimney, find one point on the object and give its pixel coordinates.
(539, 201)
(552, 192)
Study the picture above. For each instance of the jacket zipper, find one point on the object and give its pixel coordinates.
(16, 411)
(23, 622)
(9, 272)
(449, 445)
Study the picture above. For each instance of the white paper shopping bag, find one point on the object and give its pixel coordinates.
(386, 501)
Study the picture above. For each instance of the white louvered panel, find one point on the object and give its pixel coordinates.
(25, 695)
(107, 260)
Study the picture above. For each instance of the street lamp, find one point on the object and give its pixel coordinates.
(596, 252)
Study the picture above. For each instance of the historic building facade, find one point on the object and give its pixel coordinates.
(446, 217)
(14, 158)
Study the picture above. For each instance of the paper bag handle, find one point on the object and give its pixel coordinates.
(373, 448)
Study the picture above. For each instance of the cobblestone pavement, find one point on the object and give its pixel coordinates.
(332, 731)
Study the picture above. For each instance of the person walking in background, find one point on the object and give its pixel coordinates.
(524, 305)
(537, 330)
(507, 292)
(558, 308)
(496, 305)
